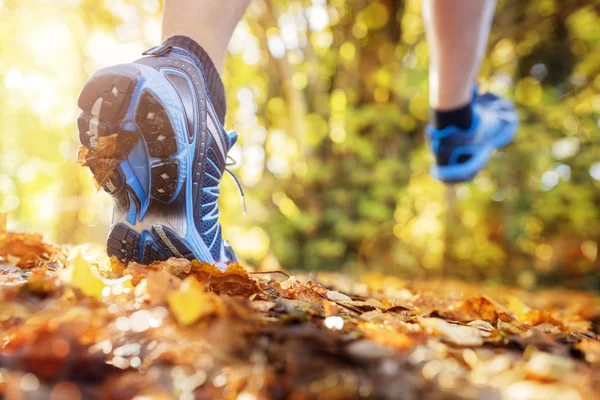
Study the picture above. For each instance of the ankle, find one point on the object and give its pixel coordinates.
(461, 117)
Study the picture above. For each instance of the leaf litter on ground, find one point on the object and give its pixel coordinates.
(88, 327)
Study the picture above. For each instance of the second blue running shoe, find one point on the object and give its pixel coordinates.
(461, 153)
(153, 140)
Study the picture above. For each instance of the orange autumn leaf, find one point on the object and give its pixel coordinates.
(385, 335)
(537, 317)
(234, 281)
(26, 250)
(471, 309)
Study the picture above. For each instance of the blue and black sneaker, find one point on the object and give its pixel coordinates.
(461, 153)
(153, 140)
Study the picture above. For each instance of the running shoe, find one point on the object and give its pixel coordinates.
(461, 153)
(153, 140)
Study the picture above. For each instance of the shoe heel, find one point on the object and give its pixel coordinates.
(105, 101)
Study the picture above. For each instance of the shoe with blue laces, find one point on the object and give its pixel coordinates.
(153, 140)
(461, 153)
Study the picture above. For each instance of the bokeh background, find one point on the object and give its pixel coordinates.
(330, 101)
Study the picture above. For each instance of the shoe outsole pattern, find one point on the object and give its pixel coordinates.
(105, 102)
(124, 243)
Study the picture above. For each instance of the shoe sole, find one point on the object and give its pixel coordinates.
(466, 171)
(125, 105)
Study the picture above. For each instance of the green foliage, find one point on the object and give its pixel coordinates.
(330, 108)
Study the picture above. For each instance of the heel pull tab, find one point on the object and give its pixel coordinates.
(158, 50)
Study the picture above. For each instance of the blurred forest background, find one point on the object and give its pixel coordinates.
(330, 100)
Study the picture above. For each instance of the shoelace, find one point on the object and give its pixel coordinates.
(230, 161)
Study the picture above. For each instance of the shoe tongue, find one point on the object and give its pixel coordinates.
(231, 139)
(187, 47)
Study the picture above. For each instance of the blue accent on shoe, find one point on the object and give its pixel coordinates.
(461, 153)
(207, 219)
(232, 136)
(132, 211)
(132, 181)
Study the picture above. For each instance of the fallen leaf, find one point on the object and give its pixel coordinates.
(457, 334)
(293, 289)
(336, 296)
(101, 167)
(26, 250)
(159, 284)
(191, 302)
(80, 275)
(385, 335)
(484, 327)
(537, 317)
(179, 267)
(137, 272)
(473, 308)
(234, 281)
(512, 328)
(116, 266)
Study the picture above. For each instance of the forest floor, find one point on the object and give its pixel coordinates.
(75, 325)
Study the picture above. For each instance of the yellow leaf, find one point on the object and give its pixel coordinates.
(79, 274)
(191, 302)
(516, 306)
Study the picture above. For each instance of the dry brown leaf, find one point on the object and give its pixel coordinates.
(82, 155)
(101, 167)
(336, 296)
(194, 333)
(315, 287)
(179, 267)
(385, 335)
(137, 271)
(159, 284)
(234, 281)
(26, 250)
(471, 309)
(107, 146)
(117, 267)
(457, 334)
(484, 327)
(537, 317)
(293, 289)
(512, 328)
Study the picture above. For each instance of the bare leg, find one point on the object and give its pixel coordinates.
(457, 33)
(209, 22)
